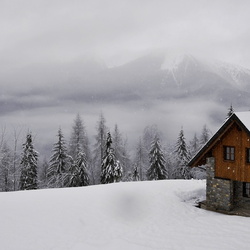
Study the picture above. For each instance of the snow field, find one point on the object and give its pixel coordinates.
(137, 215)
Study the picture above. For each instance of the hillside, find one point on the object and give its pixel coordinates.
(143, 215)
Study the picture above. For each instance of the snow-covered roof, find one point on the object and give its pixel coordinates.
(244, 117)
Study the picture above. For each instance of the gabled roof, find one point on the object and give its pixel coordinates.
(244, 117)
(241, 118)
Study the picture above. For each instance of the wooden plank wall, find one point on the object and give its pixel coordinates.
(238, 169)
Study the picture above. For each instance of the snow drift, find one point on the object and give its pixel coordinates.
(141, 215)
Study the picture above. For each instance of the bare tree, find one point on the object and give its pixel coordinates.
(16, 170)
(3, 135)
(141, 160)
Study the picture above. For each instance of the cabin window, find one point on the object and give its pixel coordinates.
(229, 153)
(248, 155)
(246, 189)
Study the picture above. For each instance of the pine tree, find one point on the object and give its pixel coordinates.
(117, 143)
(111, 168)
(194, 145)
(118, 171)
(149, 134)
(6, 170)
(181, 148)
(141, 160)
(120, 150)
(182, 157)
(205, 135)
(157, 169)
(99, 147)
(230, 111)
(29, 158)
(79, 143)
(59, 163)
(143, 148)
(79, 140)
(79, 175)
(43, 174)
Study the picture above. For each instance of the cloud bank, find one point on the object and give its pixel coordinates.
(56, 59)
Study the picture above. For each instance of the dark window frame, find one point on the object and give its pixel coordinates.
(247, 155)
(229, 153)
(246, 189)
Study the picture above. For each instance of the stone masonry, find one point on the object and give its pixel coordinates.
(219, 191)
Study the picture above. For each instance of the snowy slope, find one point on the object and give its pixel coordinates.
(180, 66)
(147, 215)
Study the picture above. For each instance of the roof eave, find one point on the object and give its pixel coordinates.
(233, 118)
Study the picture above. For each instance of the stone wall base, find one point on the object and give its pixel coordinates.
(219, 195)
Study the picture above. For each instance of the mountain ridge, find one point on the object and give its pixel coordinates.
(144, 79)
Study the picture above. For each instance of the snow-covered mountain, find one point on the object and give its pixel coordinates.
(235, 74)
(152, 76)
(164, 89)
(186, 76)
(183, 66)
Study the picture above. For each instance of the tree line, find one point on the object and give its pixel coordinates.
(74, 163)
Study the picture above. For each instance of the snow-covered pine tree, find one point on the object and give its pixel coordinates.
(99, 147)
(170, 159)
(6, 170)
(149, 134)
(182, 157)
(118, 171)
(230, 111)
(28, 164)
(117, 142)
(79, 140)
(79, 175)
(143, 148)
(120, 150)
(59, 163)
(111, 168)
(79, 143)
(157, 169)
(194, 145)
(205, 135)
(43, 174)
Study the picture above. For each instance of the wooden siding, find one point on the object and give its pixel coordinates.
(237, 169)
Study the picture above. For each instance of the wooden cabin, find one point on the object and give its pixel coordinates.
(227, 159)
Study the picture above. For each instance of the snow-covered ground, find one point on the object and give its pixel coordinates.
(142, 215)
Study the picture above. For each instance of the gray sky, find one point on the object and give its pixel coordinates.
(116, 31)
(50, 32)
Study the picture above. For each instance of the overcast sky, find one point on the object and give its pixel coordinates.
(116, 31)
(112, 32)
